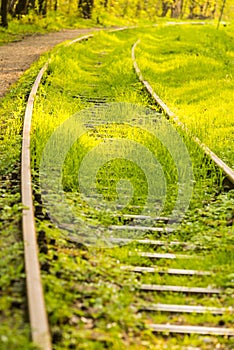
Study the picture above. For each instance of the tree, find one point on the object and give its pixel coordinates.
(176, 8)
(86, 7)
(4, 10)
(21, 7)
(165, 8)
(42, 7)
(221, 13)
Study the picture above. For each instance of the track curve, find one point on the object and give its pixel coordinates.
(36, 303)
(229, 173)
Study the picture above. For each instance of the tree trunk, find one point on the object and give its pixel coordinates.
(221, 13)
(11, 6)
(165, 8)
(213, 11)
(4, 6)
(86, 7)
(181, 5)
(21, 7)
(42, 4)
(191, 9)
(176, 8)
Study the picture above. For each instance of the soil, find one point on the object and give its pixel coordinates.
(17, 57)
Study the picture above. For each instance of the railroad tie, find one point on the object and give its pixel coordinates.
(160, 255)
(161, 270)
(198, 309)
(179, 289)
(148, 241)
(141, 228)
(171, 328)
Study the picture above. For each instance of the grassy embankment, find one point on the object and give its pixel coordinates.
(192, 70)
(88, 279)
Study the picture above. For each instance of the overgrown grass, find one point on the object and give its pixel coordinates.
(97, 311)
(91, 302)
(191, 69)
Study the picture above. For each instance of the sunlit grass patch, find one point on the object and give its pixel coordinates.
(191, 69)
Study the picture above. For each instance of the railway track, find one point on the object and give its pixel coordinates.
(159, 256)
(229, 177)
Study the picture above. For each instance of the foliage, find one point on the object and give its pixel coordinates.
(92, 303)
(30, 24)
(111, 11)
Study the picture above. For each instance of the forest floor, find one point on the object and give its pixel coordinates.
(17, 57)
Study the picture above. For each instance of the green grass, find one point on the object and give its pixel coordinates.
(191, 69)
(91, 302)
(34, 24)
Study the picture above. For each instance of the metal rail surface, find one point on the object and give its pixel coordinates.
(36, 304)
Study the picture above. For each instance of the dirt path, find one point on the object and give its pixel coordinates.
(16, 57)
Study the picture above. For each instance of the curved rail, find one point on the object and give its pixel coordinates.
(36, 303)
(229, 173)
